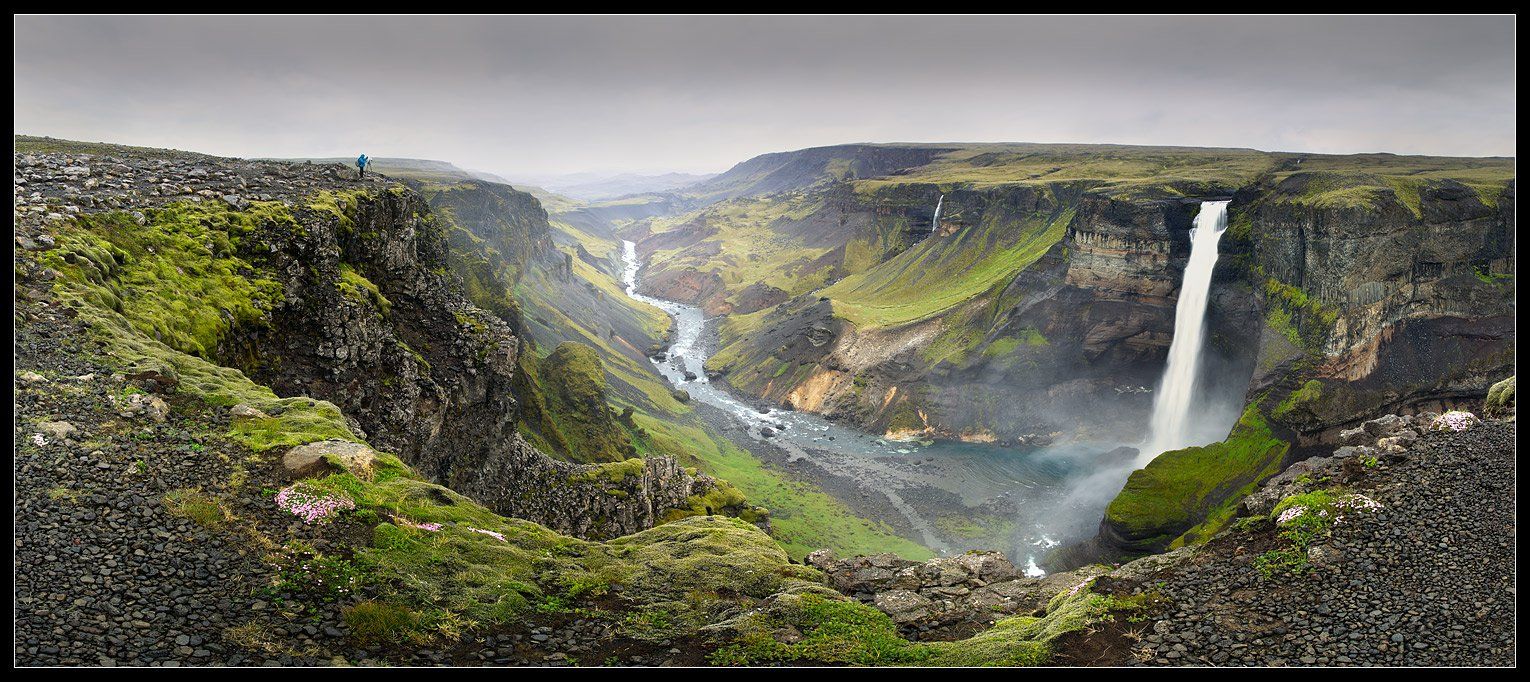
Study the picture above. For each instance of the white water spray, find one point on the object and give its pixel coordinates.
(1171, 406)
(935, 222)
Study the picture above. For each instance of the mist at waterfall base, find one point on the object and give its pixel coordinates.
(1195, 402)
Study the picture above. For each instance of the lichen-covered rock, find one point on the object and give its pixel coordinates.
(245, 411)
(904, 606)
(1356, 436)
(1455, 420)
(1385, 425)
(139, 405)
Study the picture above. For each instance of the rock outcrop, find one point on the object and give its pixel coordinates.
(946, 597)
(1500, 399)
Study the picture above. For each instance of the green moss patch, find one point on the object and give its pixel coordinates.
(566, 412)
(828, 629)
(1187, 495)
(163, 297)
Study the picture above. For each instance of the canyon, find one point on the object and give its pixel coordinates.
(677, 411)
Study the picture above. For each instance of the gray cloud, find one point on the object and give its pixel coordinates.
(523, 95)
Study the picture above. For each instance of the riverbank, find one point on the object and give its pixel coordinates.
(852, 493)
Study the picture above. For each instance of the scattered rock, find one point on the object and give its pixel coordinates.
(58, 430)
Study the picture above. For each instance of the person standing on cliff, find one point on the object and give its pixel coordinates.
(361, 165)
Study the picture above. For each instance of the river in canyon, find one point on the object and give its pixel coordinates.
(954, 496)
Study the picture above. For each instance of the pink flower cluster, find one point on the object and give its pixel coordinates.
(406, 523)
(1454, 420)
(490, 533)
(1290, 515)
(312, 504)
(1074, 590)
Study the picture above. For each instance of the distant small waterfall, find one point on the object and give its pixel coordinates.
(935, 222)
(1171, 405)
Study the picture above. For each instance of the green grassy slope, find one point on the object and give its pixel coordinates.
(939, 274)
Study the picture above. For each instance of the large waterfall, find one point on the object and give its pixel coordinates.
(935, 222)
(1171, 406)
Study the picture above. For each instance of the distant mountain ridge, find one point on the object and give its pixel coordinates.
(597, 186)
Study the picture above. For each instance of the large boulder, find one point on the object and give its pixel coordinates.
(1356, 436)
(58, 430)
(327, 457)
(1384, 426)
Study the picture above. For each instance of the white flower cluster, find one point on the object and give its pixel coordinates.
(1454, 420)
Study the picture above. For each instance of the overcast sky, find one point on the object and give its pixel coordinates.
(542, 95)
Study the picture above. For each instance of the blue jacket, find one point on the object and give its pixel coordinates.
(361, 161)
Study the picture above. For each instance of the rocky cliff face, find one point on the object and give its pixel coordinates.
(357, 306)
(1403, 303)
(1387, 290)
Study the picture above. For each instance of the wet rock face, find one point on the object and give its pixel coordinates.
(372, 320)
(1104, 300)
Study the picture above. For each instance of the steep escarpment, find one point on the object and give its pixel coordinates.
(586, 389)
(329, 288)
(502, 245)
(1401, 295)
